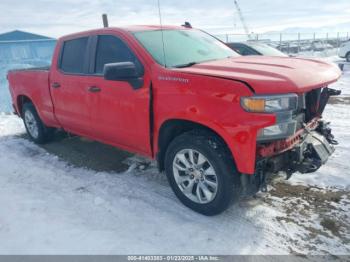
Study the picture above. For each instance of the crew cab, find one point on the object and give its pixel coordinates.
(218, 123)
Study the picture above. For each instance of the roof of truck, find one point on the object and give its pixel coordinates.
(133, 28)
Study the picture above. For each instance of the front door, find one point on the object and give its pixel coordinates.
(119, 112)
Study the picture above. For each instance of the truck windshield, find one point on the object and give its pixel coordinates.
(182, 47)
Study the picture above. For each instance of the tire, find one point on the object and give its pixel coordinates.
(348, 57)
(36, 129)
(200, 176)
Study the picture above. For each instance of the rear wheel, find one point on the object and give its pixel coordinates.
(348, 57)
(201, 172)
(36, 129)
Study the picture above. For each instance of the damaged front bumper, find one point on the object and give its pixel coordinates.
(304, 152)
(306, 156)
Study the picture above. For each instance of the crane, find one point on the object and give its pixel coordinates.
(242, 20)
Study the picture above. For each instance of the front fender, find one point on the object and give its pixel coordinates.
(240, 139)
(214, 103)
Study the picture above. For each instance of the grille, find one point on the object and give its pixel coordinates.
(308, 104)
(312, 102)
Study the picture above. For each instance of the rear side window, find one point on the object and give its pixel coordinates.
(74, 55)
(111, 49)
(243, 49)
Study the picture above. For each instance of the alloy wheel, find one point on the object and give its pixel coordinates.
(195, 176)
(31, 124)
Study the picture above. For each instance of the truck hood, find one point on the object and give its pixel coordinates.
(266, 75)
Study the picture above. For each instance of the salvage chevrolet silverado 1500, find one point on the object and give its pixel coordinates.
(217, 123)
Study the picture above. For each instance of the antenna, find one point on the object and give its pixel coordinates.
(105, 20)
(187, 25)
(161, 29)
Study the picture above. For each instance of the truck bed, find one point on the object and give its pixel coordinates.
(42, 68)
(32, 84)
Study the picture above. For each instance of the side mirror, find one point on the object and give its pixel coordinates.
(123, 71)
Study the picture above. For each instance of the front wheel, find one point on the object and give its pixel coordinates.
(201, 172)
(36, 129)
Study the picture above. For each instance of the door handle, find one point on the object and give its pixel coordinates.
(56, 85)
(94, 89)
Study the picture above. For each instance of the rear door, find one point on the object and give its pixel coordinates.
(69, 87)
(119, 112)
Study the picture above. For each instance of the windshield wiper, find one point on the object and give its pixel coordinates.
(186, 65)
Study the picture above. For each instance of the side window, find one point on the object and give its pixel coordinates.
(111, 49)
(238, 49)
(243, 50)
(249, 51)
(73, 56)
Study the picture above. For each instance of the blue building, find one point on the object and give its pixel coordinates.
(20, 49)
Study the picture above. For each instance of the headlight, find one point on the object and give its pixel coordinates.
(282, 106)
(275, 132)
(270, 104)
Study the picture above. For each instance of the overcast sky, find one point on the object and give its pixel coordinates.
(55, 18)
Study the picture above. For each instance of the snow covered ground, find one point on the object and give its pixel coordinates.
(48, 206)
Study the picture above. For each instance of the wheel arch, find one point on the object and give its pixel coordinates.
(21, 100)
(172, 128)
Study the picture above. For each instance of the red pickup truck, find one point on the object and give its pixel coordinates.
(218, 123)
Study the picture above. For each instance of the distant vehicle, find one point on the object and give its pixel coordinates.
(254, 48)
(289, 48)
(320, 46)
(344, 51)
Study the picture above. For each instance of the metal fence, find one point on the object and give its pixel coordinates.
(294, 43)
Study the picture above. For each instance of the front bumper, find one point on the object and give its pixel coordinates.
(313, 150)
(304, 152)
